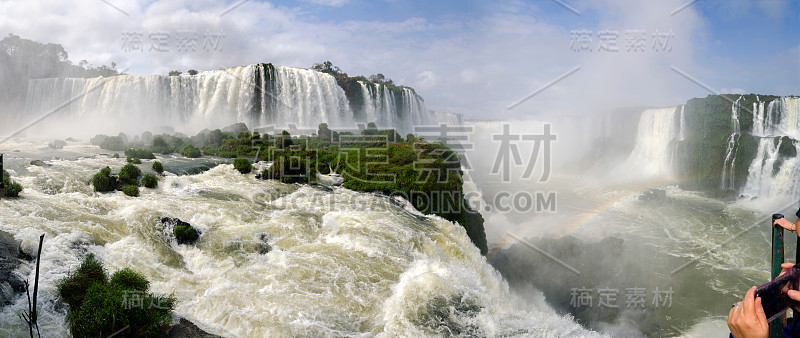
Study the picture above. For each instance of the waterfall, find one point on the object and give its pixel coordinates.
(257, 95)
(653, 152)
(729, 166)
(775, 171)
(682, 136)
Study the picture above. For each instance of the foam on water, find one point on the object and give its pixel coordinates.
(339, 262)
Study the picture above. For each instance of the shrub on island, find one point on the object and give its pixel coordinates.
(243, 165)
(103, 181)
(12, 188)
(140, 153)
(189, 151)
(131, 190)
(102, 307)
(150, 181)
(129, 175)
(158, 167)
(184, 232)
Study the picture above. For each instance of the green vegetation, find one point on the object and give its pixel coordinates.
(12, 188)
(426, 174)
(129, 175)
(189, 151)
(131, 153)
(192, 72)
(127, 181)
(102, 307)
(113, 143)
(174, 72)
(158, 167)
(185, 233)
(242, 165)
(136, 160)
(150, 181)
(103, 181)
(131, 190)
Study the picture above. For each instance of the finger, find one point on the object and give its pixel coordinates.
(760, 315)
(748, 302)
(787, 265)
(794, 294)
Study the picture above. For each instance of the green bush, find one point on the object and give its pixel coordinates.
(243, 165)
(131, 190)
(129, 175)
(98, 307)
(189, 151)
(114, 143)
(136, 160)
(127, 279)
(185, 233)
(103, 181)
(157, 167)
(12, 188)
(140, 153)
(150, 181)
(160, 145)
(72, 289)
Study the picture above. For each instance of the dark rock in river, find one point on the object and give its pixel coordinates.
(57, 144)
(653, 195)
(185, 328)
(184, 232)
(11, 285)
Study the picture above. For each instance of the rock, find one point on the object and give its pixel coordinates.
(39, 163)
(264, 247)
(185, 328)
(11, 285)
(57, 144)
(653, 195)
(184, 232)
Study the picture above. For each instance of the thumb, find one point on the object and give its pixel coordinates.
(760, 315)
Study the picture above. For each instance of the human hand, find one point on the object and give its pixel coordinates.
(784, 223)
(793, 294)
(748, 319)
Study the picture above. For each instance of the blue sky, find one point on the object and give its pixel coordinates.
(471, 57)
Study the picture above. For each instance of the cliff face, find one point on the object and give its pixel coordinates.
(734, 141)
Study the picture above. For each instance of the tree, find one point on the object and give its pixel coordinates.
(378, 78)
(192, 72)
(174, 73)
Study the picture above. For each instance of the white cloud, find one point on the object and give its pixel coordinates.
(476, 66)
(332, 3)
(426, 80)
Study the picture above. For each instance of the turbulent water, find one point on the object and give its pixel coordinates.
(341, 263)
(255, 94)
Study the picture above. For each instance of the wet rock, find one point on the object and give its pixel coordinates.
(184, 232)
(39, 163)
(11, 285)
(57, 144)
(653, 195)
(184, 328)
(264, 247)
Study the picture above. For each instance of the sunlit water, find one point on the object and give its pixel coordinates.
(340, 263)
